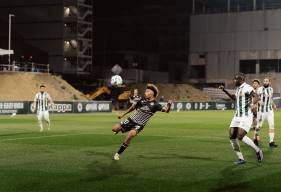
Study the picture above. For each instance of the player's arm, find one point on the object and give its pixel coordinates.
(167, 107)
(274, 105)
(231, 96)
(129, 110)
(255, 99)
(50, 100)
(34, 103)
(272, 101)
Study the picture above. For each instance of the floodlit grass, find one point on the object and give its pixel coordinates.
(185, 151)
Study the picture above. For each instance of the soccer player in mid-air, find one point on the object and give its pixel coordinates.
(144, 109)
(266, 108)
(256, 85)
(41, 104)
(242, 121)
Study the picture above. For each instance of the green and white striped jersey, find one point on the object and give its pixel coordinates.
(243, 100)
(266, 99)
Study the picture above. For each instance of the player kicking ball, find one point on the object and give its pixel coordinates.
(242, 121)
(144, 109)
(41, 104)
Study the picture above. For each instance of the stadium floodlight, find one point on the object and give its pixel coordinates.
(10, 28)
(66, 11)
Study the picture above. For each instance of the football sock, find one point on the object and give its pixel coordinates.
(271, 135)
(40, 124)
(256, 133)
(122, 148)
(236, 147)
(249, 142)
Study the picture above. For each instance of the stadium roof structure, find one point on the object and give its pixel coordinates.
(6, 52)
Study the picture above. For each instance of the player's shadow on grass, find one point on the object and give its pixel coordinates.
(94, 153)
(233, 179)
(174, 156)
(214, 141)
(100, 172)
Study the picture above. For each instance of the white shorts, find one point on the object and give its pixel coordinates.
(242, 122)
(41, 114)
(266, 115)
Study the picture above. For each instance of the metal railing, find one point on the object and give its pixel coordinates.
(25, 67)
(224, 6)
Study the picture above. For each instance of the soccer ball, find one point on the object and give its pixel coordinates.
(116, 80)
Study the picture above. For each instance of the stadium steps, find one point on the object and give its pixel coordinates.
(21, 86)
(178, 92)
(216, 93)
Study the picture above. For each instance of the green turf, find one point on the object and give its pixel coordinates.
(185, 151)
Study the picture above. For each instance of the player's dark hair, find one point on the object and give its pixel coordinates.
(153, 88)
(256, 80)
(42, 86)
(240, 77)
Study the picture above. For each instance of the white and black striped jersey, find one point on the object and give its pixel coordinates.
(42, 99)
(265, 94)
(243, 100)
(144, 110)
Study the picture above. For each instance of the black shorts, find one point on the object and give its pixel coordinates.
(129, 124)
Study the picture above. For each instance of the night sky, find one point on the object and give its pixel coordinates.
(159, 28)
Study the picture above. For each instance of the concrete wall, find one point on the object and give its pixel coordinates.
(226, 38)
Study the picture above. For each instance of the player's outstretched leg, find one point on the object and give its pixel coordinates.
(245, 139)
(271, 133)
(235, 145)
(47, 119)
(126, 143)
(40, 124)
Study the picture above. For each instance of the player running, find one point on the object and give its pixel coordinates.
(256, 85)
(42, 102)
(144, 110)
(242, 121)
(266, 108)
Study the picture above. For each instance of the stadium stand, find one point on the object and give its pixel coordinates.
(22, 86)
(216, 93)
(178, 92)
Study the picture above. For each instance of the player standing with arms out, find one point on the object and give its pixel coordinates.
(144, 110)
(41, 104)
(266, 108)
(256, 85)
(243, 118)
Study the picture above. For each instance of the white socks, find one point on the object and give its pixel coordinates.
(271, 135)
(236, 147)
(249, 142)
(40, 124)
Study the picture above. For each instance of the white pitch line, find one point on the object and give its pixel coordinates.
(42, 137)
(77, 134)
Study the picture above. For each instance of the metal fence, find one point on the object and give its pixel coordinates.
(25, 67)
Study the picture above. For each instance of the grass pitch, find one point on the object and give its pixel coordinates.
(185, 151)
